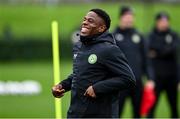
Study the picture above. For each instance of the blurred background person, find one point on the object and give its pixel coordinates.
(163, 43)
(131, 42)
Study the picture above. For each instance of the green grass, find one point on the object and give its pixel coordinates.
(27, 106)
(35, 20)
(42, 105)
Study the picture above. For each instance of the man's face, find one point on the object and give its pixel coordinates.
(92, 24)
(162, 24)
(126, 21)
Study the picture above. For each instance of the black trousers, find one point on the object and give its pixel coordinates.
(169, 84)
(135, 96)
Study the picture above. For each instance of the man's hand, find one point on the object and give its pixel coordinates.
(58, 91)
(90, 92)
(152, 54)
(150, 84)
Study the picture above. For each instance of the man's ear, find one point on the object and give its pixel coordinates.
(102, 28)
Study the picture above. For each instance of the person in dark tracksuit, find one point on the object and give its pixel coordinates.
(132, 44)
(163, 44)
(100, 71)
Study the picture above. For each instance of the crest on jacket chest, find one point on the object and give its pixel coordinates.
(92, 59)
(119, 37)
(136, 38)
(168, 39)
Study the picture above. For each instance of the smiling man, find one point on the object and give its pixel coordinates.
(100, 71)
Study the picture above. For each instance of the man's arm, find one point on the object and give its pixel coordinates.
(147, 63)
(66, 84)
(122, 75)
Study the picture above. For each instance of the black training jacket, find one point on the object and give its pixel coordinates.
(100, 63)
(134, 47)
(165, 45)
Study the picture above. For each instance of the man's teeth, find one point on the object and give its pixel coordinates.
(84, 30)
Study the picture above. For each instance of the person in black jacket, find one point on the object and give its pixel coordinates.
(100, 71)
(163, 44)
(132, 44)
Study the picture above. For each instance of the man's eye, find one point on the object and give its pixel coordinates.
(90, 20)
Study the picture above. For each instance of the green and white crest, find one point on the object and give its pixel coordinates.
(136, 38)
(169, 39)
(92, 59)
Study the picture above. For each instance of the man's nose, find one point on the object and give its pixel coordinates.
(85, 22)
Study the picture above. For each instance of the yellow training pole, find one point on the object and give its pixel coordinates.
(56, 66)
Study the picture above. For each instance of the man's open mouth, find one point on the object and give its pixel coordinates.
(84, 29)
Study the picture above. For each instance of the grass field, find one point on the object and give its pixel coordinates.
(35, 20)
(41, 106)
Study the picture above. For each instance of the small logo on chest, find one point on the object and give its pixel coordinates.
(136, 38)
(92, 59)
(119, 37)
(75, 55)
(168, 39)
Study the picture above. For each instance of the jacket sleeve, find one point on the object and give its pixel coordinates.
(122, 76)
(66, 84)
(147, 63)
(177, 54)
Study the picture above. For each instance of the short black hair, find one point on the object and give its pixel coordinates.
(124, 10)
(101, 13)
(161, 15)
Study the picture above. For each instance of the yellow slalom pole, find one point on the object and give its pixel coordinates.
(56, 66)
